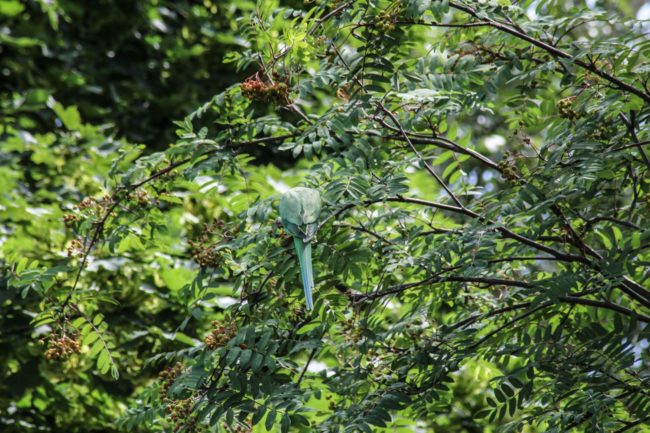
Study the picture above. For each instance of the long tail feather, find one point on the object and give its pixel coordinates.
(303, 251)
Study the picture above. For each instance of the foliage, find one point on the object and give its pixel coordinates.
(132, 64)
(69, 91)
(481, 262)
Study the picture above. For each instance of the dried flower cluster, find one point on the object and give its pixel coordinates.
(565, 108)
(86, 203)
(62, 346)
(76, 248)
(179, 411)
(220, 334)
(180, 414)
(255, 89)
(70, 219)
(95, 205)
(141, 197)
(508, 166)
(167, 377)
(205, 255)
(599, 133)
(203, 249)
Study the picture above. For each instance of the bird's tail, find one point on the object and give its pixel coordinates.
(303, 251)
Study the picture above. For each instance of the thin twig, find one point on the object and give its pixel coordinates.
(419, 155)
(304, 369)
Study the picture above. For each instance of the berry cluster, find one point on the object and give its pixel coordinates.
(62, 346)
(205, 256)
(180, 414)
(220, 334)
(257, 90)
(141, 197)
(565, 108)
(95, 206)
(76, 248)
(203, 249)
(70, 219)
(508, 166)
(180, 411)
(599, 133)
(167, 377)
(385, 20)
(86, 203)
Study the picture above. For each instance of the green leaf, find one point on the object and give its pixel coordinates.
(286, 423)
(69, 116)
(270, 420)
(258, 415)
(11, 8)
(232, 355)
(245, 358)
(256, 361)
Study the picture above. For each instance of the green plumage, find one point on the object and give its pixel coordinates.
(299, 211)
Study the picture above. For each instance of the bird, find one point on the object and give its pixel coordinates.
(299, 211)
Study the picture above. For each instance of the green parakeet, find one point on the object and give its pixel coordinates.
(299, 211)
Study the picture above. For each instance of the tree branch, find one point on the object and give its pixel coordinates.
(419, 155)
(556, 52)
(630, 124)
